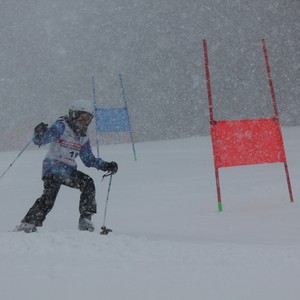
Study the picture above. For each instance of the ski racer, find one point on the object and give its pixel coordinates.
(68, 139)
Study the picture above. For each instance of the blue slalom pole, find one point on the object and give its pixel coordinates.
(94, 99)
(126, 109)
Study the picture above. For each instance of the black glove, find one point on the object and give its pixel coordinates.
(111, 167)
(40, 130)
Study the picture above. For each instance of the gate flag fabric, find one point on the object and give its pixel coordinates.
(247, 142)
(112, 120)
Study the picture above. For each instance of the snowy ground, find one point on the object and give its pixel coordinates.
(168, 240)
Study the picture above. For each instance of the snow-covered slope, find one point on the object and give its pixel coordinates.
(168, 240)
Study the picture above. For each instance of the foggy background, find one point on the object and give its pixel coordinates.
(49, 51)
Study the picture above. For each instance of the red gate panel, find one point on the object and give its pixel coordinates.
(247, 142)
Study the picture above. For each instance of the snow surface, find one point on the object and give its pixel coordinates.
(168, 240)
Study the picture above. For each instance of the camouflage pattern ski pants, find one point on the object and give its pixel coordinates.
(43, 205)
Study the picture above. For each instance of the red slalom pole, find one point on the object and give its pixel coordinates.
(276, 113)
(270, 78)
(211, 117)
(208, 85)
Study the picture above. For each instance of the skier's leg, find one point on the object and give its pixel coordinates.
(87, 204)
(42, 206)
(83, 182)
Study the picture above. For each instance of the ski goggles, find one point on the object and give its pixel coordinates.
(84, 117)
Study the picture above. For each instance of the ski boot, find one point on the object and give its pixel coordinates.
(26, 227)
(85, 224)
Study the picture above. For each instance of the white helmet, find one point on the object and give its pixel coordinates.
(83, 105)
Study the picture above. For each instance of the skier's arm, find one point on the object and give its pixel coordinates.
(88, 157)
(51, 134)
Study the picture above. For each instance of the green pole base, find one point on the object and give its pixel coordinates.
(220, 208)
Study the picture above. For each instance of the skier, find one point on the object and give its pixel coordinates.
(68, 139)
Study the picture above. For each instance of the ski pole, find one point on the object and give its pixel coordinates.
(105, 230)
(24, 148)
